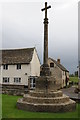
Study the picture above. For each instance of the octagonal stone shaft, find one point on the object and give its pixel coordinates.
(46, 34)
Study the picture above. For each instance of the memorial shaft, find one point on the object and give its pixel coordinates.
(46, 34)
(45, 41)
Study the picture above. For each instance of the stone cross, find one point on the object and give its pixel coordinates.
(45, 34)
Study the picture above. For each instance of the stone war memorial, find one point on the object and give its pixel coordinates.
(46, 97)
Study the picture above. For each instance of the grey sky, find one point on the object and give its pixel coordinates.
(22, 26)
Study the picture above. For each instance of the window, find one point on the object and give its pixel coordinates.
(79, 73)
(25, 86)
(63, 72)
(32, 82)
(17, 80)
(63, 81)
(18, 66)
(5, 80)
(51, 64)
(5, 67)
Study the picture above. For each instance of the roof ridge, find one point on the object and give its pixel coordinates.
(15, 56)
(16, 48)
(59, 64)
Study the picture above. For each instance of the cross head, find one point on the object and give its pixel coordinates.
(46, 7)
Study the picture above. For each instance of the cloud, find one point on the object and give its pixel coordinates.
(23, 27)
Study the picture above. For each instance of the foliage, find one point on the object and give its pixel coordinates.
(74, 79)
(71, 75)
(76, 73)
(9, 110)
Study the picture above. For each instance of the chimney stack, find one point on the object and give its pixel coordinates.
(58, 60)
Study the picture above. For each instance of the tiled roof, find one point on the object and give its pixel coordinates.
(59, 65)
(16, 56)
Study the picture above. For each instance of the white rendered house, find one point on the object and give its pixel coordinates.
(19, 65)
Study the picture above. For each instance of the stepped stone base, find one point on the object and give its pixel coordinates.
(68, 107)
(46, 98)
(36, 103)
(46, 107)
(44, 94)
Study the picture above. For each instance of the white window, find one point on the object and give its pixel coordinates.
(5, 67)
(5, 80)
(17, 80)
(32, 82)
(18, 66)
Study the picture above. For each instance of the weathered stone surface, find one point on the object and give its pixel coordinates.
(14, 89)
(46, 97)
(47, 84)
(45, 70)
(59, 107)
(44, 94)
(43, 100)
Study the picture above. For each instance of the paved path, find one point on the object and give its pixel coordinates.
(70, 92)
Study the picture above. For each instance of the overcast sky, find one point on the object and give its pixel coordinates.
(22, 26)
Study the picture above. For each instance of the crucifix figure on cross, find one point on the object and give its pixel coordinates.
(45, 61)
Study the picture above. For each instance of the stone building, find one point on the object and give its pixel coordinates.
(17, 66)
(59, 71)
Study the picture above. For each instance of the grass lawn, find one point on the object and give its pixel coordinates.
(9, 110)
(74, 79)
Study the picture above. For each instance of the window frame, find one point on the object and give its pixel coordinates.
(5, 67)
(17, 80)
(6, 79)
(51, 65)
(32, 83)
(63, 73)
(18, 66)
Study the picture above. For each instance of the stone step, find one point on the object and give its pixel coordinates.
(59, 107)
(43, 100)
(44, 94)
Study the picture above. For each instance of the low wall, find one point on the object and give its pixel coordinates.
(14, 89)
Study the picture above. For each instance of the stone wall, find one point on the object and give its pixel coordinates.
(14, 89)
(58, 74)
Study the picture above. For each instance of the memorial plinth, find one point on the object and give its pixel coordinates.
(46, 101)
(46, 97)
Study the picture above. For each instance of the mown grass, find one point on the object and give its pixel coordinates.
(74, 79)
(0, 106)
(9, 110)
